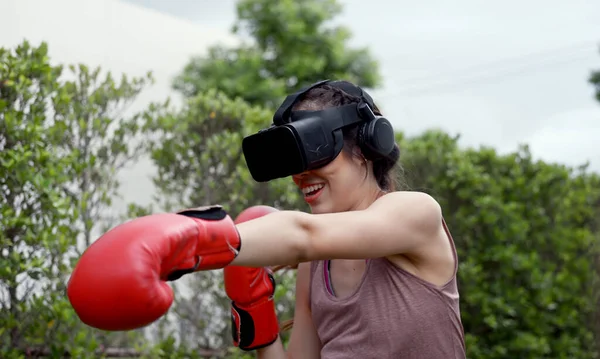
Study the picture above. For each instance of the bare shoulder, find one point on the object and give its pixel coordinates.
(303, 277)
(407, 196)
(303, 270)
(432, 259)
(419, 210)
(304, 340)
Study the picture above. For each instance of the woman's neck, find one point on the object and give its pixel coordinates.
(368, 198)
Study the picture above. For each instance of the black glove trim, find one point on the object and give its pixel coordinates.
(247, 332)
(181, 272)
(208, 213)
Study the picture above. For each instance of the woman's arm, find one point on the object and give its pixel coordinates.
(304, 342)
(399, 222)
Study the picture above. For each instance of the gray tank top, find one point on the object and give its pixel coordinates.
(391, 314)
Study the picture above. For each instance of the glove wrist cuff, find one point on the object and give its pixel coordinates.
(254, 326)
(214, 223)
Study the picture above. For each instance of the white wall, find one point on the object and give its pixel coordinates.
(116, 35)
(119, 37)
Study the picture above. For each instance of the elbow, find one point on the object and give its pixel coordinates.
(303, 237)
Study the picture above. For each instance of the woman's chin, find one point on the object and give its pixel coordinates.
(316, 210)
(320, 208)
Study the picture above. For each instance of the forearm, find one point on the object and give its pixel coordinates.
(273, 351)
(280, 238)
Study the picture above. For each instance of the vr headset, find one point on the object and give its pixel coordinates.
(299, 141)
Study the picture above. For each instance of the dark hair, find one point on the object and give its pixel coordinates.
(326, 96)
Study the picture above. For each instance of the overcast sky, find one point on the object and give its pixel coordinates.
(498, 73)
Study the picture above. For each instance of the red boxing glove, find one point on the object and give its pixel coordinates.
(253, 316)
(120, 281)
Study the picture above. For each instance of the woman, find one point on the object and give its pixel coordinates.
(377, 267)
(378, 278)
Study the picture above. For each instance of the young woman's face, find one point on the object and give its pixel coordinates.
(340, 186)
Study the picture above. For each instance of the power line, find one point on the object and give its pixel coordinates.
(562, 50)
(481, 79)
(516, 65)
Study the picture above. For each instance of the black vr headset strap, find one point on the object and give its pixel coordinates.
(282, 114)
(346, 115)
(336, 118)
(354, 91)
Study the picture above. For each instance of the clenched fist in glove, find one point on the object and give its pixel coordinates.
(253, 317)
(120, 281)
